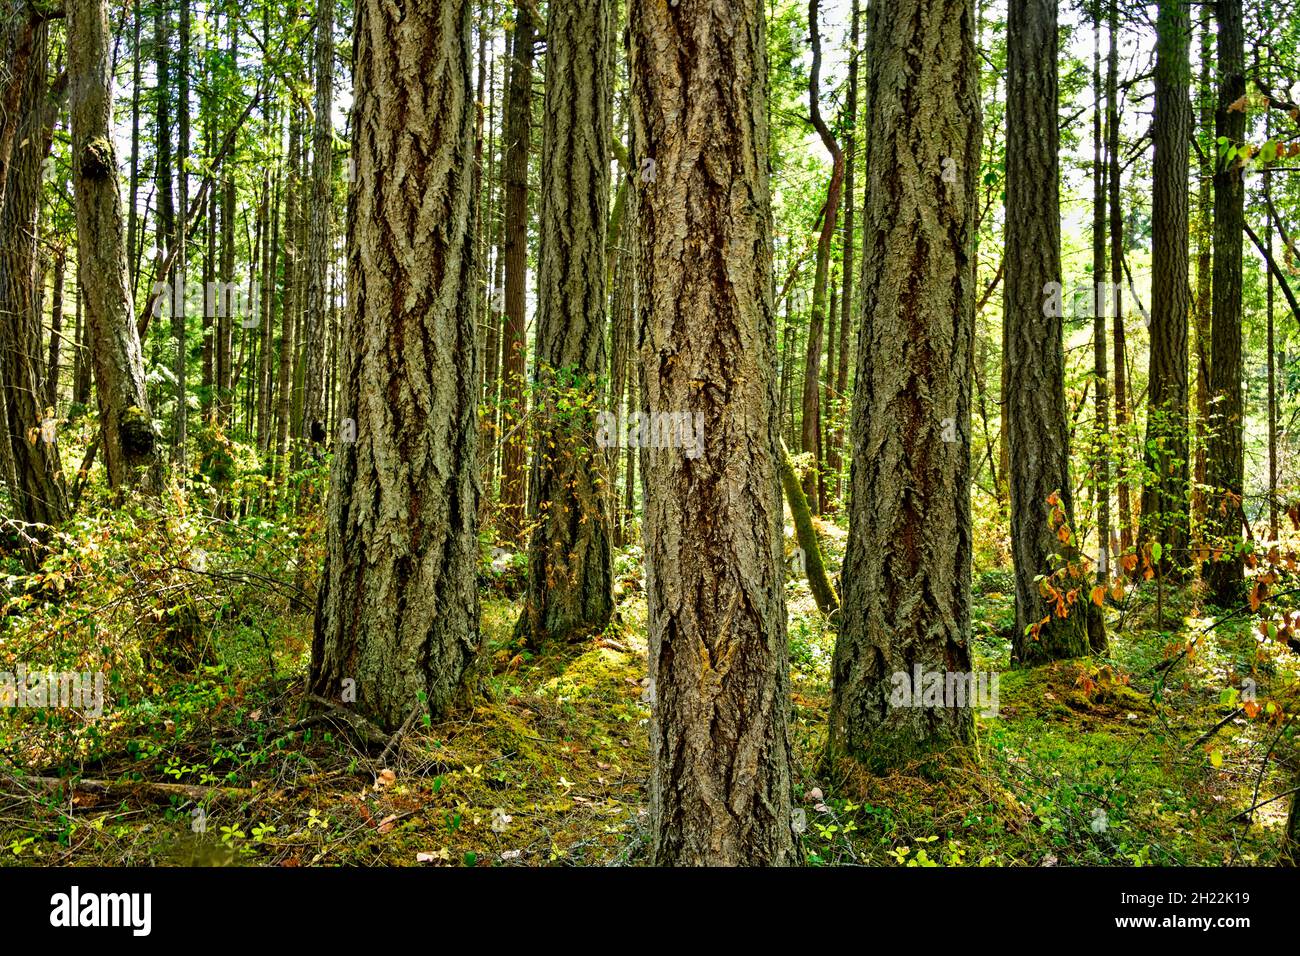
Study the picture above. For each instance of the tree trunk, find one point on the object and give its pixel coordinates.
(1204, 235)
(398, 607)
(266, 373)
(840, 394)
(288, 320)
(1165, 492)
(1043, 538)
(180, 423)
(514, 398)
(1271, 342)
(720, 784)
(1120, 363)
(316, 313)
(811, 429)
(810, 548)
(38, 493)
(54, 365)
(570, 584)
(1101, 308)
(132, 213)
(1226, 458)
(81, 368)
(125, 418)
(906, 575)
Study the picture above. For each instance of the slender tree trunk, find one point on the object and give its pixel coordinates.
(209, 215)
(1204, 235)
(165, 224)
(81, 368)
(398, 610)
(514, 398)
(1120, 363)
(270, 256)
(318, 242)
(226, 315)
(288, 322)
(720, 784)
(132, 214)
(625, 376)
(1272, 354)
(482, 218)
(492, 268)
(841, 391)
(53, 367)
(1100, 340)
(180, 429)
(1226, 458)
(570, 584)
(1043, 537)
(907, 569)
(811, 428)
(126, 421)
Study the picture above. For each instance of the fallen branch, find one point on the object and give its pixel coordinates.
(124, 789)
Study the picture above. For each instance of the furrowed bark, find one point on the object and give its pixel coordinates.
(398, 606)
(907, 569)
(720, 785)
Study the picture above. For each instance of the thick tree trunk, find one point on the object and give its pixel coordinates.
(1043, 537)
(38, 493)
(906, 577)
(514, 398)
(125, 417)
(1165, 493)
(570, 585)
(720, 785)
(1226, 459)
(398, 607)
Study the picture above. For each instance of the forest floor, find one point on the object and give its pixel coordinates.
(215, 756)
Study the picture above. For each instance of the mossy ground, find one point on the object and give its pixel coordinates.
(1095, 761)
